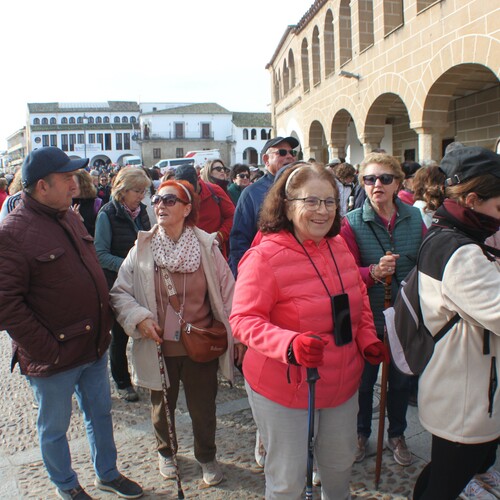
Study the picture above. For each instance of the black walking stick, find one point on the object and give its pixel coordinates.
(171, 434)
(312, 377)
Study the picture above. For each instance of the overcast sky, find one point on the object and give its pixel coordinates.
(142, 50)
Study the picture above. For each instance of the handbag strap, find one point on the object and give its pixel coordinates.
(172, 292)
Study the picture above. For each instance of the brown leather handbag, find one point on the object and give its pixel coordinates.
(201, 344)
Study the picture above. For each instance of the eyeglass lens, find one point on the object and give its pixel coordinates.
(167, 199)
(385, 179)
(243, 176)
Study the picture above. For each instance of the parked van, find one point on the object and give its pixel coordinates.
(132, 161)
(163, 165)
(201, 157)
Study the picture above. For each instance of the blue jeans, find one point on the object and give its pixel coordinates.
(397, 400)
(90, 383)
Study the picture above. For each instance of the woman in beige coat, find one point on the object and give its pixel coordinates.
(204, 285)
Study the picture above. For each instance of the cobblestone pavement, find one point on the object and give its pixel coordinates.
(22, 474)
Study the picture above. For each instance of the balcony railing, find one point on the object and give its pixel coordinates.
(172, 136)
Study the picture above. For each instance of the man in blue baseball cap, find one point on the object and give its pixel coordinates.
(55, 308)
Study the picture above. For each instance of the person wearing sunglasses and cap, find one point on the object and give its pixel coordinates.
(276, 153)
(384, 224)
(240, 177)
(177, 251)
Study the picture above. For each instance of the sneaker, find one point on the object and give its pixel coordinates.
(128, 394)
(212, 473)
(122, 486)
(361, 450)
(491, 479)
(475, 491)
(77, 493)
(400, 451)
(316, 479)
(260, 451)
(167, 467)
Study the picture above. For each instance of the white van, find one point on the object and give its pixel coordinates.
(201, 157)
(132, 161)
(163, 165)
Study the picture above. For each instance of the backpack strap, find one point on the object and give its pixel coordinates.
(444, 330)
(212, 192)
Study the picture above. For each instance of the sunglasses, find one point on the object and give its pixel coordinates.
(284, 152)
(220, 169)
(168, 200)
(385, 179)
(243, 176)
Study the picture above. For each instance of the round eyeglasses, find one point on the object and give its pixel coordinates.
(313, 203)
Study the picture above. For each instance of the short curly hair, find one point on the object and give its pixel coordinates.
(381, 159)
(273, 217)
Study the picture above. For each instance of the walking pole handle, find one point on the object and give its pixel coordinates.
(312, 375)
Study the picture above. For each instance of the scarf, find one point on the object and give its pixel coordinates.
(474, 224)
(183, 256)
(132, 213)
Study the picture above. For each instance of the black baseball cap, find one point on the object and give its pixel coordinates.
(276, 140)
(467, 162)
(45, 161)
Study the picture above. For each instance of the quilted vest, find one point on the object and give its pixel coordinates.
(374, 240)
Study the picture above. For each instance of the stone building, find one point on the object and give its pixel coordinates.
(409, 76)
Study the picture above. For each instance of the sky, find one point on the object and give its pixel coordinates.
(142, 51)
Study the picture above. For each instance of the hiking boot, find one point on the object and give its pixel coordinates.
(212, 473)
(400, 451)
(260, 451)
(167, 467)
(77, 493)
(491, 479)
(128, 394)
(475, 491)
(361, 449)
(121, 486)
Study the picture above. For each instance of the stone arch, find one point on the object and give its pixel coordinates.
(318, 147)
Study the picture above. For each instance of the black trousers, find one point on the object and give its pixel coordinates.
(118, 357)
(451, 468)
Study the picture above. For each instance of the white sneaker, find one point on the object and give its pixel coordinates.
(212, 473)
(474, 491)
(491, 479)
(167, 467)
(260, 451)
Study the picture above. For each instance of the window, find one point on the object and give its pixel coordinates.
(179, 130)
(45, 141)
(36, 121)
(291, 68)
(133, 119)
(98, 119)
(245, 134)
(53, 121)
(286, 78)
(424, 4)
(79, 119)
(64, 142)
(72, 120)
(305, 65)
(329, 44)
(365, 11)
(72, 141)
(393, 15)
(119, 141)
(91, 119)
(316, 64)
(253, 134)
(100, 140)
(205, 131)
(80, 138)
(64, 121)
(91, 138)
(156, 153)
(45, 121)
(53, 140)
(107, 142)
(106, 119)
(126, 141)
(179, 152)
(124, 119)
(116, 119)
(263, 134)
(345, 32)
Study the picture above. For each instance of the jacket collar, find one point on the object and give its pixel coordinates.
(40, 208)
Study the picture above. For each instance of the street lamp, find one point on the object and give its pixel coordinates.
(85, 120)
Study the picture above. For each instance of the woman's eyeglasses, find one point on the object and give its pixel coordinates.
(220, 169)
(284, 152)
(313, 203)
(168, 200)
(385, 179)
(243, 176)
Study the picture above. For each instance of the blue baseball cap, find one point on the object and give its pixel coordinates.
(45, 161)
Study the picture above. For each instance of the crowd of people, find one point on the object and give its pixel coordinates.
(294, 269)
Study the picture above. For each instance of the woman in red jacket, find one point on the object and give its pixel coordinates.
(287, 290)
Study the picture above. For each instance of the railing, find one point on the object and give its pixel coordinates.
(172, 136)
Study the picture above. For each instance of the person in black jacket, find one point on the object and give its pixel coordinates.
(117, 226)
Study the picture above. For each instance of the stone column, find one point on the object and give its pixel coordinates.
(430, 142)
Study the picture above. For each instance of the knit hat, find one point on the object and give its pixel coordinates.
(187, 173)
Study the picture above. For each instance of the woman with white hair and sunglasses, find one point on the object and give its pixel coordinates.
(384, 237)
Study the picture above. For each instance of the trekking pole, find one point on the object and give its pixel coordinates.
(312, 377)
(383, 388)
(171, 433)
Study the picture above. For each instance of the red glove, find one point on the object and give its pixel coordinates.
(308, 349)
(376, 353)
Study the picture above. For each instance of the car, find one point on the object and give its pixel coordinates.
(164, 165)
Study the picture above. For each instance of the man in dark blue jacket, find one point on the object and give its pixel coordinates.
(276, 153)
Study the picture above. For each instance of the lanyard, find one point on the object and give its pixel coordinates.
(316, 269)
